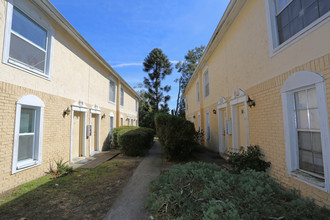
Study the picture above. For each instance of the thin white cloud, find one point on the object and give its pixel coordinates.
(174, 61)
(126, 64)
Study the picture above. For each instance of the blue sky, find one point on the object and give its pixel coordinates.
(124, 32)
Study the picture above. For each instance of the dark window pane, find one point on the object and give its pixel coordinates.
(310, 14)
(318, 164)
(306, 160)
(295, 26)
(283, 18)
(294, 9)
(304, 140)
(28, 28)
(25, 147)
(317, 146)
(306, 3)
(26, 53)
(324, 6)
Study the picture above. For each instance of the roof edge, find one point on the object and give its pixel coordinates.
(53, 13)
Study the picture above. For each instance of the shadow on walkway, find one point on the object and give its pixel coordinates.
(131, 203)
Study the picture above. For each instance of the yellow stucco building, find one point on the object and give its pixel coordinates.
(59, 99)
(275, 54)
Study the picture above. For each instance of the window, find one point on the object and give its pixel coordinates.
(206, 83)
(27, 42)
(111, 125)
(292, 16)
(112, 91)
(208, 130)
(306, 136)
(121, 96)
(308, 131)
(28, 133)
(287, 18)
(197, 91)
(136, 105)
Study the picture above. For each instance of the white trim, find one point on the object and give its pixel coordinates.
(37, 18)
(239, 96)
(222, 104)
(37, 104)
(305, 78)
(111, 114)
(274, 46)
(79, 106)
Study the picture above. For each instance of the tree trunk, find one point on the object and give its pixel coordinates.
(178, 99)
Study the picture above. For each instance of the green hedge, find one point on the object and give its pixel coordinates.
(134, 142)
(205, 191)
(176, 136)
(116, 132)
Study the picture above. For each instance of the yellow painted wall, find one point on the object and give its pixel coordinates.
(242, 60)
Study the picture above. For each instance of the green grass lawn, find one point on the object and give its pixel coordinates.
(85, 194)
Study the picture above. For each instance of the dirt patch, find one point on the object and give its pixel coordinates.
(86, 194)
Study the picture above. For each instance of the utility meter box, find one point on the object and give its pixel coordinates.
(89, 130)
(228, 126)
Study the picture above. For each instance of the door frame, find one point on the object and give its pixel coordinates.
(79, 106)
(113, 116)
(222, 104)
(239, 96)
(96, 111)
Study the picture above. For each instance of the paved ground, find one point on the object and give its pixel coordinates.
(96, 160)
(130, 205)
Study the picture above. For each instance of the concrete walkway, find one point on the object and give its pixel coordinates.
(130, 205)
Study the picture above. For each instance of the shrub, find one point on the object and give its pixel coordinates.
(117, 130)
(134, 142)
(62, 169)
(248, 159)
(176, 136)
(150, 132)
(204, 191)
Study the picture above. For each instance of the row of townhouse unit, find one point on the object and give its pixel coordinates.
(59, 99)
(264, 79)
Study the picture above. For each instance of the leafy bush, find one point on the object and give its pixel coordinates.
(204, 191)
(117, 130)
(199, 137)
(150, 133)
(248, 159)
(176, 136)
(62, 169)
(134, 142)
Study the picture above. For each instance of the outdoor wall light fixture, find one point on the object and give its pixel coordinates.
(66, 112)
(194, 116)
(103, 116)
(214, 111)
(251, 102)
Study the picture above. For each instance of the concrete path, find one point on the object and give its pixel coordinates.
(96, 160)
(130, 205)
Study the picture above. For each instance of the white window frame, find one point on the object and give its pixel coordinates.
(114, 81)
(208, 125)
(197, 91)
(238, 97)
(122, 92)
(274, 45)
(28, 10)
(206, 71)
(296, 82)
(222, 104)
(29, 101)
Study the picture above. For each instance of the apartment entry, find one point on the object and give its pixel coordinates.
(222, 128)
(94, 139)
(78, 131)
(240, 122)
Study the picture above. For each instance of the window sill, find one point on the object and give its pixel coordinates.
(112, 102)
(25, 165)
(26, 69)
(308, 179)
